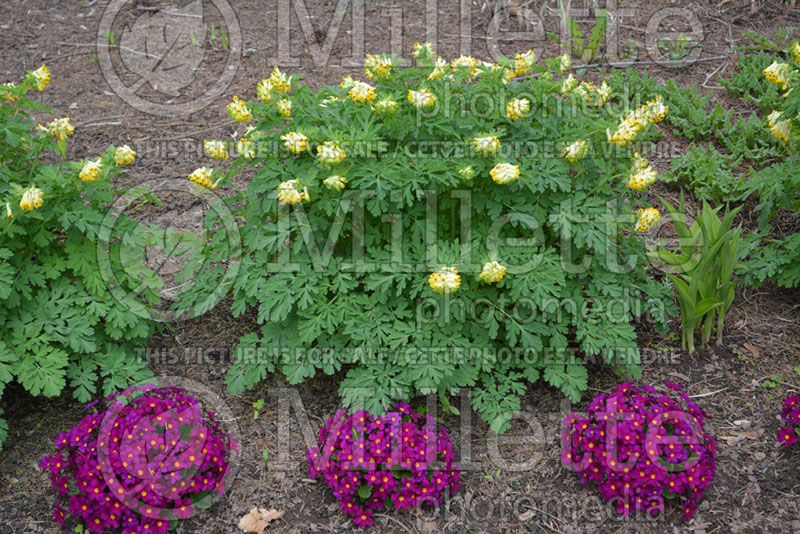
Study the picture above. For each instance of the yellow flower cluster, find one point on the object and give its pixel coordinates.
(492, 272)
(91, 170)
(504, 173)
(42, 77)
(362, 92)
(423, 50)
(637, 120)
(6, 92)
(794, 49)
(335, 182)
(61, 128)
(284, 107)
(647, 219)
(216, 149)
(264, 90)
(523, 63)
(576, 151)
(377, 67)
(467, 173)
(422, 98)
(124, 155)
(642, 174)
(386, 106)
(778, 73)
(244, 146)
(202, 177)
(328, 100)
(289, 194)
(486, 146)
(279, 81)
(781, 129)
(465, 63)
(239, 111)
(565, 62)
(440, 68)
(518, 108)
(445, 281)
(347, 82)
(568, 84)
(329, 153)
(592, 93)
(31, 199)
(9, 213)
(295, 142)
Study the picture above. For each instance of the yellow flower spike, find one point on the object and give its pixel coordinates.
(215, 149)
(239, 111)
(284, 107)
(289, 194)
(377, 67)
(782, 130)
(565, 62)
(330, 154)
(422, 98)
(6, 92)
(492, 272)
(642, 178)
(335, 183)
(523, 63)
(504, 173)
(386, 106)
(508, 75)
(347, 82)
(423, 51)
(518, 108)
(264, 91)
(362, 92)
(31, 199)
(124, 155)
(778, 73)
(576, 151)
(445, 281)
(295, 142)
(42, 77)
(467, 173)
(60, 128)
(603, 94)
(463, 63)
(486, 146)
(244, 147)
(773, 117)
(440, 67)
(202, 177)
(91, 170)
(327, 101)
(647, 218)
(279, 81)
(568, 84)
(9, 213)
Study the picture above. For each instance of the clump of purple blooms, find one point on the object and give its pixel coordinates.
(791, 415)
(370, 462)
(142, 459)
(641, 446)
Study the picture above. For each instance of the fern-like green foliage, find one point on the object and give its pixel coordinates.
(749, 83)
(340, 282)
(707, 172)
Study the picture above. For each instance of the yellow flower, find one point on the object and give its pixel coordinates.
(778, 73)
(244, 147)
(467, 173)
(377, 67)
(9, 213)
(782, 130)
(327, 101)
(362, 92)
(386, 106)
(656, 110)
(239, 111)
(486, 146)
(647, 218)
(264, 91)
(523, 63)
(335, 183)
(508, 75)
(279, 81)
(568, 84)
(422, 98)
(330, 154)
(445, 281)
(637, 120)
(603, 94)
(91, 170)
(423, 51)
(124, 155)
(6, 92)
(202, 177)
(518, 108)
(565, 62)
(439, 69)
(42, 77)
(639, 163)
(462, 63)
(504, 173)
(492, 272)
(773, 117)
(295, 142)
(216, 149)
(31, 199)
(642, 178)
(288, 193)
(347, 82)
(576, 151)
(61, 128)
(284, 107)
(795, 51)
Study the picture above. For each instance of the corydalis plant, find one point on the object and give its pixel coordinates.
(399, 460)
(641, 447)
(142, 460)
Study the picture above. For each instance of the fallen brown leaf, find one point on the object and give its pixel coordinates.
(258, 519)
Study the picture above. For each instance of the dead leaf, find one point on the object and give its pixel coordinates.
(752, 349)
(258, 519)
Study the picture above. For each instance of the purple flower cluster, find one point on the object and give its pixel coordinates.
(791, 415)
(641, 447)
(372, 462)
(143, 459)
